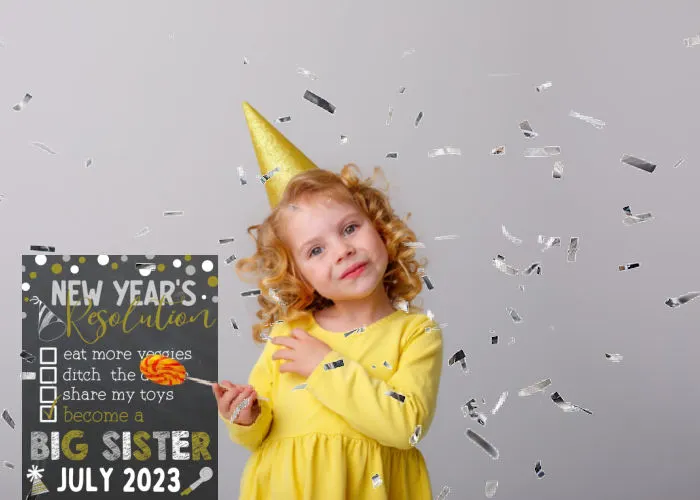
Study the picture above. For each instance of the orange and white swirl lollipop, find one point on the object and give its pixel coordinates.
(163, 370)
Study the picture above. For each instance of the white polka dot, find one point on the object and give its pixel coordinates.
(24, 315)
(207, 266)
(215, 299)
(150, 256)
(177, 263)
(145, 271)
(102, 260)
(204, 297)
(40, 259)
(190, 270)
(124, 258)
(66, 258)
(25, 287)
(74, 269)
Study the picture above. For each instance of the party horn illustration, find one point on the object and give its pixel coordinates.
(204, 475)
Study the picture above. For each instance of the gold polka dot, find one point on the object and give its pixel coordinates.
(115, 266)
(212, 281)
(56, 268)
(81, 260)
(161, 267)
(32, 275)
(26, 299)
(188, 257)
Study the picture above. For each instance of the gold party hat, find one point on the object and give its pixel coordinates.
(274, 150)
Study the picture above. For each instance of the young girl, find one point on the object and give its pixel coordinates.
(346, 384)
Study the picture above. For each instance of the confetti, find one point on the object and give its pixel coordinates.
(264, 178)
(145, 266)
(679, 163)
(418, 119)
(513, 239)
(334, 364)
(615, 358)
(469, 410)
(443, 493)
(308, 74)
(566, 406)
(534, 266)
(234, 324)
(43, 147)
(299, 387)
(413, 244)
(402, 90)
(28, 357)
(392, 155)
(386, 365)
(514, 315)
(426, 279)
(319, 101)
(490, 488)
(526, 129)
(535, 388)
(239, 408)
(447, 150)
(446, 237)
(41, 248)
(7, 464)
(543, 86)
(356, 330)
(482, 443)
(173, 213)
(460, 357)
(401, 304)
(250, 293)
(343, 139)
(558, 170)
(224, 241)
(499, 262)
(499, 150)
(637, 162)
(28, 376)
(599, 124)
(398, 397)
(501, 401)
(391, 114)
(88, 162)
(549, 242)
(538, 469)
(692, 41)
(230, 259)
(683, 299)
(631, 218)
(573, 248)
(20, 105)
(494, 340)
(6, 416)
(283, 119)
(407, 52)
(376, 480)
(245, 60)
(143, 232)
(415, 437)
(625, 267)
(241, 176)
(542, 152)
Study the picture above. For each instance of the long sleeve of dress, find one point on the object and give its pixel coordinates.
(261, 378)
(364, 401)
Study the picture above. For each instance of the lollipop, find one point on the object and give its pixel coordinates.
(166, 371)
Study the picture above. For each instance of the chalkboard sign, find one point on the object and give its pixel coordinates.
(93, 425)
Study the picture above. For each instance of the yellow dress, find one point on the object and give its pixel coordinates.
(342, 435)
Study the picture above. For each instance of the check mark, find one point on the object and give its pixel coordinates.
(49, 415)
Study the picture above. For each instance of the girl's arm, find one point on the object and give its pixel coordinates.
(363, 400)
(251, 436)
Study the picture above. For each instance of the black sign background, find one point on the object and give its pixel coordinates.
(192, 408)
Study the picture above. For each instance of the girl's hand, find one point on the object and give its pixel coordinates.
(229, 396)
(304, 352)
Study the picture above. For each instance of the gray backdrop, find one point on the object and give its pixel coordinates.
(152, 92)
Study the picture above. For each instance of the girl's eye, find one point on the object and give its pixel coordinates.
(312, 254)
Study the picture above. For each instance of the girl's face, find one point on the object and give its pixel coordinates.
(326, 239)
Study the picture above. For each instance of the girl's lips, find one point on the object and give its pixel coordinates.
(356, 272)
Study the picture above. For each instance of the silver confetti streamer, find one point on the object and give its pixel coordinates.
(526, 129)
(356, 330)
(692, 41)
(501, 401)
(543, 86)
(413, 244)
(549, 242)
(625, 267)
(615, 358)
(679, 163)
(283, 119)
(173, 213)
(319, 101)
(398, 397)
(573, 248)
(308, 74)
(402, 90)
(483, 444)
(333, 365)
(499, 262)
(43, 147)
(415, 437)
(418, 119)
(447, 237)
(299, 387)
(234, 324)
(386, 365)
(538, 469)
(224, 241)
(514, 315)
(490, 488)
(461, 358)
(469, 410)
(20, 105)
(376, 481)
(6, 416)
(637, 162)
(447, 150)
(499, 151)
(513, 239)
(542, 152)
(245, 60)
(391, 114)
(532, 267)
(241, 176)
(407, 52)
(41, 248)
(251, 293)
(88, 162)
(7, 464)
(143, 232)
(343, 139)
(28, 376)
(558, 170)
(264, 178)
(392, 155)
(230, 259)
(683, 299)
(443, 493)
(535, 388)
(566, 406)
(599, 124)
(27, 356)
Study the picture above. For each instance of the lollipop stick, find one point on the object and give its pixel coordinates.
(201, 381)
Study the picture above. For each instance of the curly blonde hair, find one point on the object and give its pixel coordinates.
(285, 294)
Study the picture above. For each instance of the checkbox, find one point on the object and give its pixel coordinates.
(51, 376)
(48, 394)
(47, 356)
(47, 414)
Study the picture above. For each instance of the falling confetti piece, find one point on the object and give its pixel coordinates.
(343, 139)
(535, 388)
(392, 155)
(398, 397)
(319, 101)
(264, 178)
(513, 239)
(514, 315)
(538, 469)
(692, 41)
(443, 493)
(41, 248)
(88, 162)
(28, 376)
(402, 90)
(306, 73)
(501, 401)
(558, 170)
(447, 150)
(543, 86)
(173, 213)
(408, 52)
(27, 356)
(683, 299)
(20, 105)
(143, 232)
(599, 124)
(526, 129)
(542, 152)
(334, 364)
(6, 416)
(679, 163)
(615, 358)
(418, 119)
(241, 176)
(573, 248)
(43, 147)
(245, 60)
(490, 488)
(498, 151)
(461, 358)
(391, 114)
(415, 437)
(224, 241)
(283, 119)
(625, 267)
(447, 237)
(482, 443)
(376, 480)
(566, 406)
(548, 241)
(637, 162)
